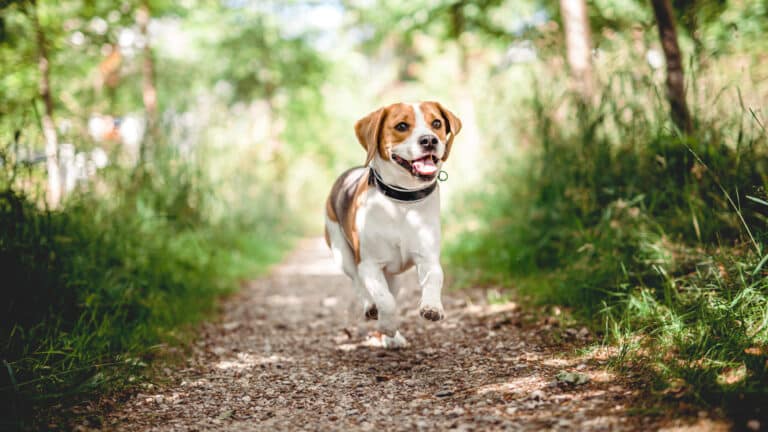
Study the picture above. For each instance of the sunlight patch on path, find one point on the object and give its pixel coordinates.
(246, 361)
(312, 258)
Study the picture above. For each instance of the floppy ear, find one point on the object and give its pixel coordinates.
(452, 126)
(368, 131)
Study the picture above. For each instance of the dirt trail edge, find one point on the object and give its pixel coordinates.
(288, 354)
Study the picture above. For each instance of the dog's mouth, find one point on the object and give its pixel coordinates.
(424, 167)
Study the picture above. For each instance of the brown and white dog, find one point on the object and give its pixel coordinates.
(383, 218)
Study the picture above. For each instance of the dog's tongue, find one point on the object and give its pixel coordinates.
(425, 165)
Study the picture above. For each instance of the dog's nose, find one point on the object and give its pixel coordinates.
(429, 142)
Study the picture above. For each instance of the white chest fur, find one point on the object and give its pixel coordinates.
(397, 234)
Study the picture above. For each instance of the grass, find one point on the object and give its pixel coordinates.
(653, 237)
(91, 289)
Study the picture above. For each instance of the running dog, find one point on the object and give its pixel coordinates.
(384, 217)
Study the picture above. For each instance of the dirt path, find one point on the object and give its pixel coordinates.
(280, 359)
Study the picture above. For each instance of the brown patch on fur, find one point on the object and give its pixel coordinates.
(346, 198)
(376, 131)
(330, 211)
(349, 227)
(451, 124)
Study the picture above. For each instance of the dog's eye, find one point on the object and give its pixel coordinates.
(402, 126)
(437, 124)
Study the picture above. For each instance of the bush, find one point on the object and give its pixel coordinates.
(654, 236)
(92, 288)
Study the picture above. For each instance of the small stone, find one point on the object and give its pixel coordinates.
(231, 326)
(574, 378)
(444, 393)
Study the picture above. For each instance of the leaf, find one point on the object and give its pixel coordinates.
(757, 200)
(760, 265)
(11, 375)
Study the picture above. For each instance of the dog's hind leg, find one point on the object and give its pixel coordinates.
(345, 259)
(370, 311)
(342, 253)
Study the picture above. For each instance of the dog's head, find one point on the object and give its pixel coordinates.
(408, 143)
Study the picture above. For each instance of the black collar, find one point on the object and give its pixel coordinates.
(400, 194)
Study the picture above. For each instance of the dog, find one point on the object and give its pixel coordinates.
(383, 218)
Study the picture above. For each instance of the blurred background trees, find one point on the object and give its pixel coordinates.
(613, 159)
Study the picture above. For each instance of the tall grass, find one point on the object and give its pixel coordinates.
(91, 289)
(655, 237)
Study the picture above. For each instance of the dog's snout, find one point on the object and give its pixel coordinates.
(429, 142)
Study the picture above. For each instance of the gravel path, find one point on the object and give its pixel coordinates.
(289, 354)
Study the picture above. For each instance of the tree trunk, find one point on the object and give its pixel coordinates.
(578, 45)
(464, 159)
(665, 21)
(55, 190)
(148, 91)
(458, 25)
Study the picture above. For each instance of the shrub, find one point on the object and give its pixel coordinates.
(92, 288)
(655, 236)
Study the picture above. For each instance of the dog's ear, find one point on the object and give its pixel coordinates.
(368, 131)
(452, 127)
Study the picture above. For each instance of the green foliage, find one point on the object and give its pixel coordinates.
(609, 210)
(641, 230)
(260, 60)
(140, 253)
(92, 288)
(447, 20)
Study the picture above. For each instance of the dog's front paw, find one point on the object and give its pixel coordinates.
(432, 313)
(371, 312)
